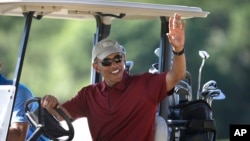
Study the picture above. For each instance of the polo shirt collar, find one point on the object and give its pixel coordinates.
(119, 86)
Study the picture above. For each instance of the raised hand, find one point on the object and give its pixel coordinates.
(176, 33)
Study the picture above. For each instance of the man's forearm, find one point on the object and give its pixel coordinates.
(17, 132)
(178, 67)
(177, 72)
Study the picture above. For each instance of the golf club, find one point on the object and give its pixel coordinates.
(129, 65)
(204, 55)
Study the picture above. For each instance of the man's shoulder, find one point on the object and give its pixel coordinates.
(91, 87)
(21, 86)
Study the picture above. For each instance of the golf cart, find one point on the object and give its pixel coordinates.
(103, 12)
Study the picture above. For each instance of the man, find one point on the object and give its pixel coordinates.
(123, 107)
(19, 129)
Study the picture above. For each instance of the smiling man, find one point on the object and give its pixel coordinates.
(122, 107)
(102, 63)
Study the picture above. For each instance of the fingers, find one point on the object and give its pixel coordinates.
(175, 22)
(49, 101)
(176, 34)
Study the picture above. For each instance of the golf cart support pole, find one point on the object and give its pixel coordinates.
(102, 31)
(164, 62)
(21, 55)
(22, 50)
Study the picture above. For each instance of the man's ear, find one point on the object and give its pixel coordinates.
(96, 67)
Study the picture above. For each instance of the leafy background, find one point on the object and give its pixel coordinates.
(58, 53)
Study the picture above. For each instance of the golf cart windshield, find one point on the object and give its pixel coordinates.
(103, 12)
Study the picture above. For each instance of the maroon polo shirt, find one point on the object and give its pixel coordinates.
(125, 112)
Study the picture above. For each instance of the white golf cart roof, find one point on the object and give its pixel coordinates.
(85, 9)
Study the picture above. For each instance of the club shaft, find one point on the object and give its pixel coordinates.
(199, 78)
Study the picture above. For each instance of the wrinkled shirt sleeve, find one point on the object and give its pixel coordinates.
(23, 94)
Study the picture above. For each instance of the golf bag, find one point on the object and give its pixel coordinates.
(193, 120)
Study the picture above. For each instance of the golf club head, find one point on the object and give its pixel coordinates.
(129, 65)
(215, 94)
(205, 94)
(181, 90)
(157, 52)
(203, 54)
(154, 68)
(221, 96)
(210, 85)
(184, 90)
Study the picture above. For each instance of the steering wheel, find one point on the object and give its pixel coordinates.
(46, 123)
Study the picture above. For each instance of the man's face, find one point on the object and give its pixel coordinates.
(111, 68)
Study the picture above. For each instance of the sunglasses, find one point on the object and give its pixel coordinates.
(108, 62)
